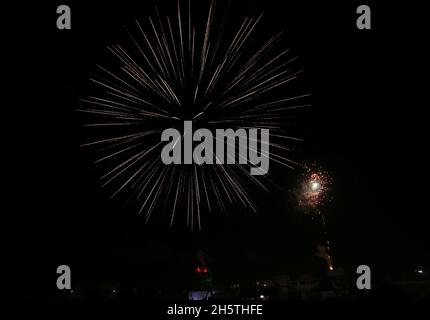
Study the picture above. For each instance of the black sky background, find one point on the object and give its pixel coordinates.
(367, 127)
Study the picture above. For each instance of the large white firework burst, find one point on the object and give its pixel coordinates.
(211, 69)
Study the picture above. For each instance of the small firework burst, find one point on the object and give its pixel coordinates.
(313, 190)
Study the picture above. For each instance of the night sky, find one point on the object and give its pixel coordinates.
(367, 127)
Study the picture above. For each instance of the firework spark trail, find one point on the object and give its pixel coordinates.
(233, 183)
(313, 194)
(174, 70)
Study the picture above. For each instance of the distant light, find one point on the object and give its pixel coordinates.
(114, 291)
(420, 271)
(331, 268)
(201, 270)
(262, 296)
